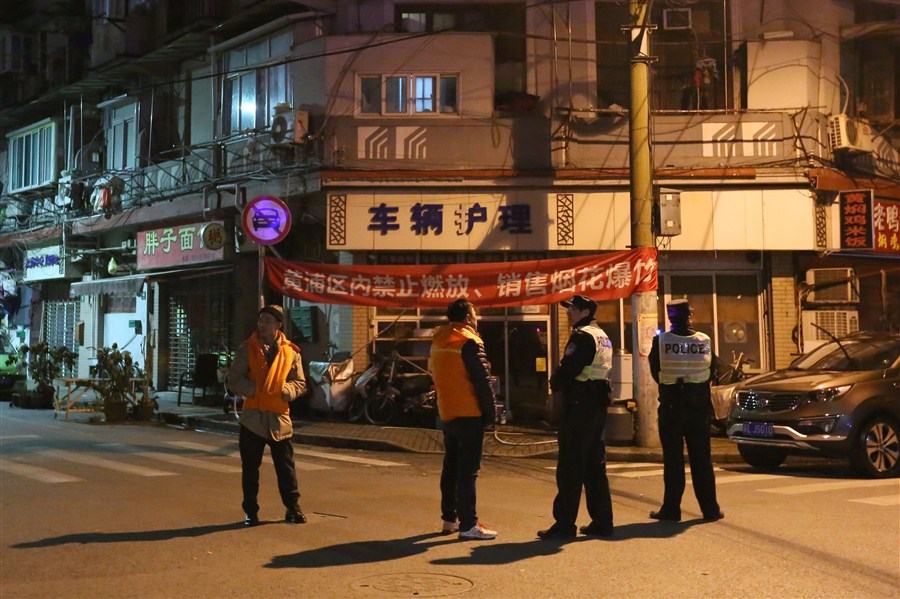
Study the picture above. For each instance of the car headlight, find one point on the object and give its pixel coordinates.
(831, 393)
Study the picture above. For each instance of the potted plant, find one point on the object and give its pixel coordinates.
(143, 405)
(113, 382)
(43, 364)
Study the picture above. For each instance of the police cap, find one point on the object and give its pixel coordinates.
(678, 309)
(580, 302)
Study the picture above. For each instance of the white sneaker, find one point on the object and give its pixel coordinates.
(449, 527)
(479, 531)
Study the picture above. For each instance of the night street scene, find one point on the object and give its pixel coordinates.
(495, 299)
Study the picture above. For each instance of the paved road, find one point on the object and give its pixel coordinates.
(150, 511)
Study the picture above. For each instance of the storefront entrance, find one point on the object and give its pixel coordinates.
(518, 351)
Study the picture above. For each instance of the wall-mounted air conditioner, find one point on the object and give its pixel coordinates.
(847, 134)
(837, 322)
(290, 126)
(832, 286)
(675, 19)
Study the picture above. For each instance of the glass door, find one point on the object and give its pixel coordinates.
(517, 350)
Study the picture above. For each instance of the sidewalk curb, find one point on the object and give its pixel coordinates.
(615, 453)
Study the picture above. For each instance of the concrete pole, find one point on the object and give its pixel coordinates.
(643, 304)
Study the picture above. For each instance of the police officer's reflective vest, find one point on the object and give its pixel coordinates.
(684, 357)
(599, 368)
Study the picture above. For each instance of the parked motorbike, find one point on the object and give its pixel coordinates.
(397, 389)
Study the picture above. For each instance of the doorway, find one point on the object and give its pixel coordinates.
(518, 351)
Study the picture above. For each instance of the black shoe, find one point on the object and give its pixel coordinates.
(663, 515)
(714, 516)
(593, 530)
(295, 516)
(251, 520)
(556, 532)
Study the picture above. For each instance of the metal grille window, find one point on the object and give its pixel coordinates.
(59, 325)
(198, 323)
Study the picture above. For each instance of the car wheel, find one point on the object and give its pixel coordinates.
(876, 452)
(764, 458)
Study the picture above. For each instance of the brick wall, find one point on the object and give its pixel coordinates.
(784, 308)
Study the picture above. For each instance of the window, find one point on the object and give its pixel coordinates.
(693, 54)
(121, 138)
(32, 156)
(253, 87)
(121, 304)
(505, 20)
(110, 9)
(408, 94)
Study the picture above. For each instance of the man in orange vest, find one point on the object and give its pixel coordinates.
(461, 375)
(681, 361)
(268, 372)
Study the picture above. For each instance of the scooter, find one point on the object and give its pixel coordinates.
(389, 394)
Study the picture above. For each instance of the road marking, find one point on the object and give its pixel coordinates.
(173, 458)
(39, 474)
(347, 458)
(638, 474)
(622, 466)
(742, 478)
(831, 486)
(81, 458)
(883, 500)
(224, 451)
(8, 437)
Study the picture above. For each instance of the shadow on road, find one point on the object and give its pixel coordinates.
(491, 553)
(137, 536)
(362, 552)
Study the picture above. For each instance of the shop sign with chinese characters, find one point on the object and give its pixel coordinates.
(611, 275)
(518, 220)
(181, 244)
(868, 222)
(886, 225)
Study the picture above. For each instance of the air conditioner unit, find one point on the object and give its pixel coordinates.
(675, 19)
(837, 322)
(290, 126)
(847, 134)
(832, 286)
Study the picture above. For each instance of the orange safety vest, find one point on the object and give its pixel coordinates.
(269, 379)
(455, 391)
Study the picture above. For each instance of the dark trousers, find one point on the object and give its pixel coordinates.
(252, 447)
(685, 418)
(463, 445)
(582, 463)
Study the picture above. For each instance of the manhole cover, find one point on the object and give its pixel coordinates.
(412, 585)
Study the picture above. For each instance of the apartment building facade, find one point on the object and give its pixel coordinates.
(410, 133)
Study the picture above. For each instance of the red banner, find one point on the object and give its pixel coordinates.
(494, 284)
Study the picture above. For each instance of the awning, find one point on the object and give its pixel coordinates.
(130, 285)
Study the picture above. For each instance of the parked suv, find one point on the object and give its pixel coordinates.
(841, 399)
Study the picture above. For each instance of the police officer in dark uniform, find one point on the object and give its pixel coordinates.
(682, 362)
(582, 380)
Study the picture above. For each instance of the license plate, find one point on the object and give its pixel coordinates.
(759, 429)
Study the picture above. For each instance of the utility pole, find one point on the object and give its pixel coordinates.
(643, 305)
